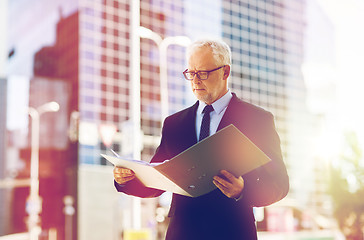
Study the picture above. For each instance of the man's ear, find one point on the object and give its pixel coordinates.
(226, 72)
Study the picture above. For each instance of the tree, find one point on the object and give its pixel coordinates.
(346, 187)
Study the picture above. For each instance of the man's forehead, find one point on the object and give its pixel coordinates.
(201, 57)
(201, 50)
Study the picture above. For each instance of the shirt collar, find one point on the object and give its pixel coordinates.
(219, 105)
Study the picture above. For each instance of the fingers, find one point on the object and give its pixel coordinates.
(220, 186)
(123, 175)
(221, 183)
(120, 170)
(230, 185)
(226, 179)
(228, 175)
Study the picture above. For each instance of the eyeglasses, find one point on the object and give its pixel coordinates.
(202, 75)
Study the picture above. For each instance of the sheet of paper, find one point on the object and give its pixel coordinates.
(147, 174)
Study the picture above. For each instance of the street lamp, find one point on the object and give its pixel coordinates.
(137, 32)
(162, 47)
(135, 109)
(34, 205)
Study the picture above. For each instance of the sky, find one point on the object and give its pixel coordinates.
(348, 19)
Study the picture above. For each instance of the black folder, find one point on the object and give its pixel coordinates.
(191, 172)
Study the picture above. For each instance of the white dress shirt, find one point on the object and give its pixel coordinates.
(219, 106)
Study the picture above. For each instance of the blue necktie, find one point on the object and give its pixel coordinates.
(205, 125)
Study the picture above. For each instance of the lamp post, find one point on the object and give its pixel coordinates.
(163, 45)
(34, 202)
(135, 109)
(137, 32)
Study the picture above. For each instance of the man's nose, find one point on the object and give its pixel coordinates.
(195, 79)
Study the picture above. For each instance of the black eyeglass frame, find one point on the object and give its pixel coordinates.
(198, 73)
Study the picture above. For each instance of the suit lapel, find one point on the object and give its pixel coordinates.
(228, 117)
(190, 124)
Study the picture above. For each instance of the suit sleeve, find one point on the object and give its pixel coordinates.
(137, 189)
(269, 183)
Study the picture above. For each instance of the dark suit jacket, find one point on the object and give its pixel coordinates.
(213, 215)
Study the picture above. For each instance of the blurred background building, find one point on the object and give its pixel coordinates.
(78, 53)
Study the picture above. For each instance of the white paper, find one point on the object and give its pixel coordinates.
(147, 174)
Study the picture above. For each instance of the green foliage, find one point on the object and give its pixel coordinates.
(346, 187)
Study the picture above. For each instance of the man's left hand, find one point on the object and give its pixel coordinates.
(229, 185)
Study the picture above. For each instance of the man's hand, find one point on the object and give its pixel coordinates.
(123, 175)
(229, 185)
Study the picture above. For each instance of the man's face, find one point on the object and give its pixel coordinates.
(215, 86)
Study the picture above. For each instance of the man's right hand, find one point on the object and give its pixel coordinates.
(123, 175)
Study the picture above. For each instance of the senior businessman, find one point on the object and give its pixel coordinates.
(226, 212)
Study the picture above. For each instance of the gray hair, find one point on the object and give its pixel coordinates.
(220, 49)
